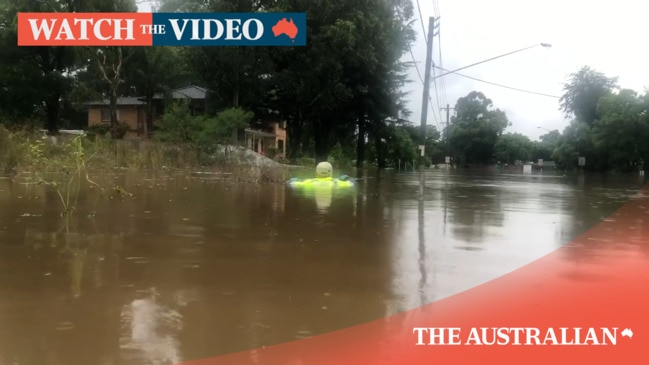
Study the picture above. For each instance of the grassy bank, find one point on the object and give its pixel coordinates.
(29, 152)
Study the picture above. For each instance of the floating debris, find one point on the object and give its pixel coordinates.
(65, 326)
(304, 334)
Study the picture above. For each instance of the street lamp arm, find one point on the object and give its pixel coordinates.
(491, 59)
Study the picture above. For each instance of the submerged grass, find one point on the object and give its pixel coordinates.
(29, 152)
(66, 163)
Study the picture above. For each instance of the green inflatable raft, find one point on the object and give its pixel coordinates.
(343, 182)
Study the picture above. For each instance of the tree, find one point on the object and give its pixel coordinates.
(545, 148)
(178, 126)
(309, 89)
(156, 70)
(237, 76)
(382, 35)
(203, 133)
(576, 141)
(111, 61)
(582, 93)
(400, 146)
(220, 128)
(512, 147)
(37, 78)
(622, 131)
(551, 138)
(474, 130)
(433, 150)
(346, 82)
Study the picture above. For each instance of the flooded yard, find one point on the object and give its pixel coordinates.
(184, 266)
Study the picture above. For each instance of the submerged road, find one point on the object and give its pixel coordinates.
(191, 268)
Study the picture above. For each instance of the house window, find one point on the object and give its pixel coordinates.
(105, 114)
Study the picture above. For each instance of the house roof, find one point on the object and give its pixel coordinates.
(125, 100)
(187, 92)
(258, 133)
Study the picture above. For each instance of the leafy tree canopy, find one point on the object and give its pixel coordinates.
(583, 91)
(475, 129)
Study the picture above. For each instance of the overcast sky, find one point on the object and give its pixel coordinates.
(607, 36)
(603, 35)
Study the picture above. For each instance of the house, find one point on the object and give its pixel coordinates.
(196, 97)
(261, 137)
(130, 111)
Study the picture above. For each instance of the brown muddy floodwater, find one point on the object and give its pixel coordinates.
(191, 266)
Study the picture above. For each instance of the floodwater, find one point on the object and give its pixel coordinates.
(192, 266)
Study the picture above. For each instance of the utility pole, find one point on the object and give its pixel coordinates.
(447, 159)
(425, 97)
(448, 118)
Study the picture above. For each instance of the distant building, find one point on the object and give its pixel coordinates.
(260, 137)
(264, 135)
(130, 111)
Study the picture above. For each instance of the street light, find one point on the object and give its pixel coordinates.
(545, 45)
(547, 130)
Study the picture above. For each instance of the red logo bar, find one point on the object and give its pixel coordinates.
(85, 29)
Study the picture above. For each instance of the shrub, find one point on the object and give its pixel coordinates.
(120, 130)
(10, 151)
(307, 161)
(103, 129)
(271, 152)
(96, 130)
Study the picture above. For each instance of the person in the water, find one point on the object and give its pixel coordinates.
(323, 170)
(323, 178)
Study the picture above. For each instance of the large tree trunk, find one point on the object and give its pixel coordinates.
(113, 80)
(113, 111)
(360, 142)
(235, 104)
(381, 152)
(294, 135)
(114, 90)
(148, 128)
(52, 107)
(322, 145)
(50, 57)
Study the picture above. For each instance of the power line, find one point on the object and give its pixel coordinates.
(421, 20)
(436, 93)
(414, 62)
(493, 58)
(441, 64)
(500, 85)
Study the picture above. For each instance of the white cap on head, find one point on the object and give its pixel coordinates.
(324, 169)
